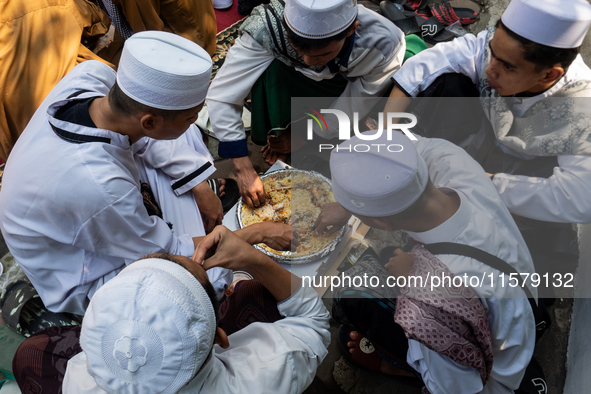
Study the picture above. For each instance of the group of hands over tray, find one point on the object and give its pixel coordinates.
(233, 249)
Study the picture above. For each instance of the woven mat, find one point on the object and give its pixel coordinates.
(225, 40)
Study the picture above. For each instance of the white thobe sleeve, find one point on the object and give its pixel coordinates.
(246, 61)
(187, 166)
(463, 55)
(132, 232)
(280, 357)
(564, 197)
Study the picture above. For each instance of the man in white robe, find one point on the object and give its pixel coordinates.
(526, 64)
(298, 48)
(71, 209)
(435, 192)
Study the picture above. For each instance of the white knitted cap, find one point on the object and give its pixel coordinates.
(555, 23)
(148, 330)
(164, 70)
(378, 183)
(319, 18)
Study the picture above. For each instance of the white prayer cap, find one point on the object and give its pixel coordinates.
(554, 23)
(380, 181)
(163, 70)
(148, 330)
(319, 18)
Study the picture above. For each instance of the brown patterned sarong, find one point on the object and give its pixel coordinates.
(249, 303)
(40, 362)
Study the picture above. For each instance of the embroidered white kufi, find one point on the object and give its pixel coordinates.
(377, 178)
(319, 18)
(148, 330)
(554, 23)
(163, 70)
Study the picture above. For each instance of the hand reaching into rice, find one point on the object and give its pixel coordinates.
(294, 198)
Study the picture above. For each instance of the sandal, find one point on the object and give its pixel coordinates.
(405, 20)
(447, 15)
(367, 357)
(433, 31)
(534, 380)
(232, 194)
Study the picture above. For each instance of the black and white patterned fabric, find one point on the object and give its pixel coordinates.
(265, 25)
(556, 125)
(117, 18)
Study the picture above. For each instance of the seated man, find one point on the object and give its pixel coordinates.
(300, 48)
(156, 328)
(71, 208)
(534, 90)
(436, 193)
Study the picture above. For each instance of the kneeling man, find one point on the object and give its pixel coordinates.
(437, 193)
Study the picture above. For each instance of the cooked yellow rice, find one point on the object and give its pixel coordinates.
(298, 202)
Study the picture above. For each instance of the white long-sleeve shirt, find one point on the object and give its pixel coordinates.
(377, 53)
(482, 221)
(274, 358)
(561, 198)
(71, 210)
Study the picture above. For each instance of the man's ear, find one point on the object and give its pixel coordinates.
(552, 75)
(149, 122)
(353, 28)
(221, 338)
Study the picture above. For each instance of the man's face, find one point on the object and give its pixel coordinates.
(170, 129)
(319, 57)
(381, 223)
(509, 73)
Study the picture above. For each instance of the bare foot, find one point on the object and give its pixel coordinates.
(385, 367)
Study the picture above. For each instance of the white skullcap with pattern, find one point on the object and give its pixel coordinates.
(377, 178)
(163, 70)
(319, 18)
(554, 23)
(148, 330)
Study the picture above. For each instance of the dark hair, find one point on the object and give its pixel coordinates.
(419, 205)
(312, 44)
(207, 286)
(543, 56)
(123, 105)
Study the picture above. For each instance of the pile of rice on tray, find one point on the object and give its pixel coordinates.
(295, 198)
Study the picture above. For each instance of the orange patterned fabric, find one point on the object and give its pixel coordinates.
(40, 42)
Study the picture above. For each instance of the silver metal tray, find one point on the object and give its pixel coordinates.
(290, 257)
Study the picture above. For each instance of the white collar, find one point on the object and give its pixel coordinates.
(451, 228)
(79, 134)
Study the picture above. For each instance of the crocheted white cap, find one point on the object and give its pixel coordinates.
(319, 18)
(148, 330)
(164, 70)
(555, 23)
(380, 182)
